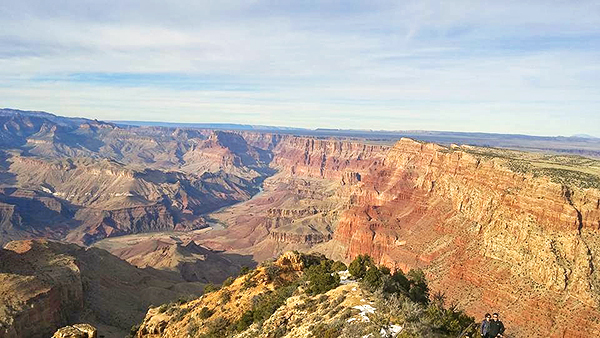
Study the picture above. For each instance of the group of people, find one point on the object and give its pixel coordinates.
(491, 326)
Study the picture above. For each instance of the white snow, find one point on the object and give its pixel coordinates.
(364, 311)
(390, 331)
(345, 278)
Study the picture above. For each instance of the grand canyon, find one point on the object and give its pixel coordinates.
(103, 222)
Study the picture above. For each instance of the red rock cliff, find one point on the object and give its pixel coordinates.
(324, 158)
(490, 238)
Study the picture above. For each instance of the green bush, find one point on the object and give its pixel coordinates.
(208, 288)
(272, 272)
(184, 299)
(326, 331)
(450, 321)
(225, 296)
(321, 279)
(244, 270)
(245, 321)
(249, 281)
(401, 281)
(419, 291)
(205, 313)
(179, 314)
(265, 305)
(228, 281)
(339, 266)
(373, 278)
(163, 308)
(359, 266)
(193, 329)
(216, 328)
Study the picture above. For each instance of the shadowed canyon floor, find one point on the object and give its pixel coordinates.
(494, 229)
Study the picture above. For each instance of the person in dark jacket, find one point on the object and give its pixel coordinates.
(485, 326)
(496, 327)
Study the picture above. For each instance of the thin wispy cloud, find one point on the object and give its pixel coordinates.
(468, 66)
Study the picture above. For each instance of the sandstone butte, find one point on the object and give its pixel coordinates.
(492, 239)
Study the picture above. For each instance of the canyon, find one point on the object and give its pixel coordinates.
(495, 230)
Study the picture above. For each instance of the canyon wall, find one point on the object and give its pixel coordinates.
(490, 238)
(328, 158)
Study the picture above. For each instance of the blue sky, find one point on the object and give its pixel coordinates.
(496, 66)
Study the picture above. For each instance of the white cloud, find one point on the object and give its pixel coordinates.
(499, 66)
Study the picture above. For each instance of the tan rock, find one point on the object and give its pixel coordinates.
(76, 331)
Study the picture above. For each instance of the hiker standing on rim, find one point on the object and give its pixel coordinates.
(485, 326)
(496, 327)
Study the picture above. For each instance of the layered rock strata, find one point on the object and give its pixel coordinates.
(45, 285)
(490, 238)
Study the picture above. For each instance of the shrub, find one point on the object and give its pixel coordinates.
(216, 328)
(372, 279)
(193, 329)
(272, 272)
(326, 331)
(225, 296)
(210, 287)
(228, 281)
(245, 321)
(309, 260)
(419, 291)
(338, 266)
(249, 282)
(449, 321)
(265, 305)
(321, 279)
(400, 280)
(184, 299)
(244, 270)
(359, 266)
(395, 284)
(163, 308)
(179, 314)
(205, 313)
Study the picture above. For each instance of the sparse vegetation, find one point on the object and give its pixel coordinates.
(208, 288)
(327, 331)
(244, 270)
(205, 313)
(225, 296)
(133, 331)
(228, 281)
(249, 281)
(405, 299)
(179, 313)
(321, 278)
(216, 328)
(568, 170)
(163, 308)
(399, 300)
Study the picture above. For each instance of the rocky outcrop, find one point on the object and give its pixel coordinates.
(39, 292)
(45, 285)
(490, 237)
(76, 331)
